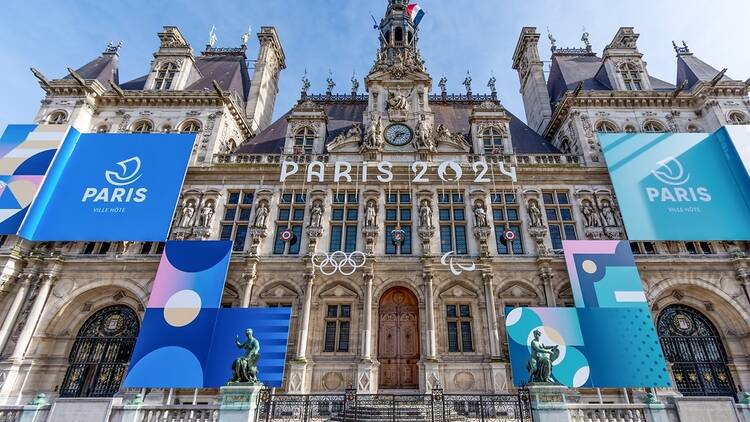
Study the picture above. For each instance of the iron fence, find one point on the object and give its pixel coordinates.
(434, 407)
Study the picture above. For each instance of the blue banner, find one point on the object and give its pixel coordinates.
(682, 186)
(187, 340)
(608, 340)
(26, 152)
(110, 187)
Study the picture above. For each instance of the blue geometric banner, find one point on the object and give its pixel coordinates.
(26, 152)
(186, 339)
(608, 340)
(682, 186)
(110, 187)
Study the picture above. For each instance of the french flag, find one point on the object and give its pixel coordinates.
(415, 13)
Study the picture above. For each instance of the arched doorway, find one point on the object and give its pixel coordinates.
(101, 353)
(693, 346)
(398, 339)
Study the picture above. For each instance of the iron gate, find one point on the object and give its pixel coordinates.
(434, 407)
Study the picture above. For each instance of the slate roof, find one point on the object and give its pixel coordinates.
(694, 70)
(342, 115)
(230, 71)
(103, 69)
(567, 71)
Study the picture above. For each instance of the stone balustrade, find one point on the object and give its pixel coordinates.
(607, 412)
(163, 413)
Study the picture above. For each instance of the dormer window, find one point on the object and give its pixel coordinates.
(653, 126)
(631, 77)
(165, 76)
(57, 118)
(737, 118)
(492, 139)
(303, 141)
(190, 127)
(142, 126)
(606, 126)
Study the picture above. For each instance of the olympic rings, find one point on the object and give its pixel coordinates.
(339, 261)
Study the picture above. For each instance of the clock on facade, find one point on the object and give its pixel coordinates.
(398, 134)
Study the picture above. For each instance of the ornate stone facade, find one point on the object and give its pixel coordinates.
(232, 191)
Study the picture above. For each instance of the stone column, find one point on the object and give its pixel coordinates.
(367, 313)
(430, 314)
(366, 382)
(545, 274)
(491, 315)
(9, 321)
(305, 319)
(35, 313)
(250, 275)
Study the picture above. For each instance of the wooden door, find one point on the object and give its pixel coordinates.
(398, 339)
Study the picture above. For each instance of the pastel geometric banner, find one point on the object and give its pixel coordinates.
(186, 340)
(608, 340)
(682, 186)
(26, 152)
(110, 187)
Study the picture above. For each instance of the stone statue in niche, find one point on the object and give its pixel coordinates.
(608, 214)
(316, 215)
(422, 136)
(374, 137)
(371, 215)
(186, 217)
(480, 215)
(535, 215)
(425, 214)
(591, 217)
(207, 214)
(261, 216)
(397, 102)
(442, 134)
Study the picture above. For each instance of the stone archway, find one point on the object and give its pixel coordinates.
(398, 339)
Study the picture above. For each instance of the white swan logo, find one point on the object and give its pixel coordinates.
(456, 268)
(671, 172)
(129, 174)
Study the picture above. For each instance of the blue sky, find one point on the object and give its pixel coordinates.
(478, 35)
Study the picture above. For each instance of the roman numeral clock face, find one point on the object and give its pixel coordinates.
(398, 135)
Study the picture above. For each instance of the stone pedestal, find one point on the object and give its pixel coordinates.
(80, 410)
(239, 403)
(498, 371)
(297, 378)
(706, 409)
(34, 414)
(657, 413)
(367, 380)
(548, 403)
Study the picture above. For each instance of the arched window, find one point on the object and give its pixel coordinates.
(492, 139)
(631, 77)
(303, 141)
(605, 126)
(143, 126)
(693, 346)
(102, 129)
(398, 36)
(101, 353)
(191, 126)
(57, 118)
(737, 118)
(164, 76)
(653, 126)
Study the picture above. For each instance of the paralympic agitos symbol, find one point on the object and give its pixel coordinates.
(456, 268)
